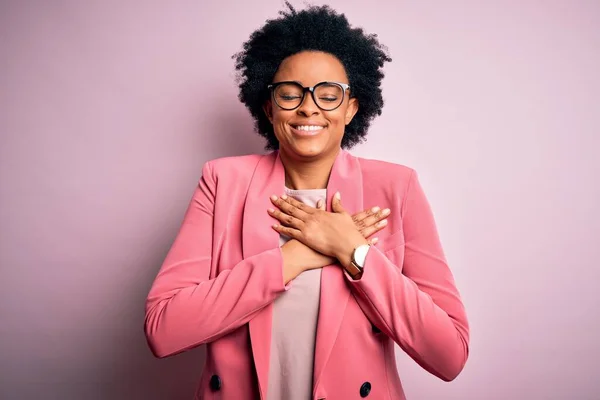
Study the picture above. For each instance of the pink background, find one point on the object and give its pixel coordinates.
(108, 109)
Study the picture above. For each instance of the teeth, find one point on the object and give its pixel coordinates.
(309, 128)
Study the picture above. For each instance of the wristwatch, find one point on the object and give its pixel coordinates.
(357, 262)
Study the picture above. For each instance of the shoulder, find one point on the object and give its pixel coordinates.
(233, 164)
(231, 169)
(387, 174)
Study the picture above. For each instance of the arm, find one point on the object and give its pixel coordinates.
(185, 308)
(417, 305)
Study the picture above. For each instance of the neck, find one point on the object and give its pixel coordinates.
(309, 174)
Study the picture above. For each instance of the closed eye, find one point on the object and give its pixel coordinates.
(285, 97)
(330, 99)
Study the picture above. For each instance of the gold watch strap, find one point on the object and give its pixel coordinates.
(354, 270)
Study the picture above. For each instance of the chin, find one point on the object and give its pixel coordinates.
(310, 152)
(305, 150)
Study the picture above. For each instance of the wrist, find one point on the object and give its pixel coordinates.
(292, 267)
(346, 250)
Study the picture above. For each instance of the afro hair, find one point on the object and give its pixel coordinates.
(316, 28)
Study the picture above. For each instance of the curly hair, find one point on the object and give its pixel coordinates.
(317, 28)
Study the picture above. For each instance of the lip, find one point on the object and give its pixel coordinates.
(307, 133)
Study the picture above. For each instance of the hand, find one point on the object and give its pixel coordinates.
(334, 234)
(370, 221)
(298, 257)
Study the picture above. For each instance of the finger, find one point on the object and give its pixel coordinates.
(298, 204)
(370, 230)
(336, 203)
(283, 203)
(321, 204)
(376, 217)
(364, 214)
(290, 232)
(285, 219)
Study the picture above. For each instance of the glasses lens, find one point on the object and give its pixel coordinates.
(329, 96)
(288, 95)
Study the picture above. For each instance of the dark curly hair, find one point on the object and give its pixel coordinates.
(317, 28)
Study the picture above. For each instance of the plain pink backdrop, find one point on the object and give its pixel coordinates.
(108, 110)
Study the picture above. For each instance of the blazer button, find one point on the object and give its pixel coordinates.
(365, 389)
(215, 383)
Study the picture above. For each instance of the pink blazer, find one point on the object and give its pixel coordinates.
(218, 282)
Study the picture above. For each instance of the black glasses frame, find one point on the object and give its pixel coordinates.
(310, 89)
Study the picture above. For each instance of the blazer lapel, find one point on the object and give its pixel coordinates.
(346, 177)
(258, 236)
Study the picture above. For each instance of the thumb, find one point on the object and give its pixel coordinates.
(336, 203)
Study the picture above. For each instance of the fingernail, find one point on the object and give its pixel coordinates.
(319, 203)
(283, 197)
(273, 197)
(375, 209)
(386, 211)
(271, 210)
(374, 240)
(337, 195)
(383, 222)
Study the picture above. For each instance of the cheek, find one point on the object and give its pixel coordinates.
(337, 120)
(279, 120)
(280, 116)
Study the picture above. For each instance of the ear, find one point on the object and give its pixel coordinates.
(351, 110)
(268, 109)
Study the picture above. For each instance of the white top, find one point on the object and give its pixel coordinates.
(293, 335)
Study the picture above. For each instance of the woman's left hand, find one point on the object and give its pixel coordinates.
(330, 233)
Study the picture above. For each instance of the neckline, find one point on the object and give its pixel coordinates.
(304, 191)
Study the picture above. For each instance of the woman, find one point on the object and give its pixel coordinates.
(275, 267)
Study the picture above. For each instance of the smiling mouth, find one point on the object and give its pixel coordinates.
(308, 129)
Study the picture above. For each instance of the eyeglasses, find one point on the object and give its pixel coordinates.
(327, 96)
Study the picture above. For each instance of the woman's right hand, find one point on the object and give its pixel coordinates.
(297, 257)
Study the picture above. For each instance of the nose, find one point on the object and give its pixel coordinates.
(308, 106)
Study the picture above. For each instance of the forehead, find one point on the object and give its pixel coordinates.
(310, 68)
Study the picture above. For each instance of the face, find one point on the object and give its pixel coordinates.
(308, 132)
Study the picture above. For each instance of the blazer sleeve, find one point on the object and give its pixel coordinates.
(185, 308)
(417, 304)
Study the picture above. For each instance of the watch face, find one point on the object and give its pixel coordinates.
(360, 254)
